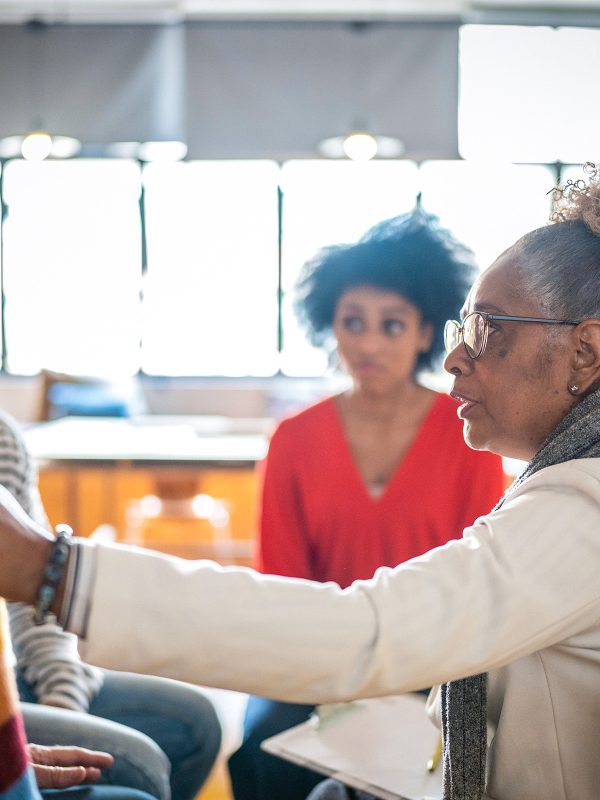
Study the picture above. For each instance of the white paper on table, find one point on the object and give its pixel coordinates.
(381, 746)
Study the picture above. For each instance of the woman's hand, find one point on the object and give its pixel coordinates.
(61, 767)
(24, 549)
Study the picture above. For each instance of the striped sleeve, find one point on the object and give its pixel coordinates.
(45, 655)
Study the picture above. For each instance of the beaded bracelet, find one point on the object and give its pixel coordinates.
(53, 572)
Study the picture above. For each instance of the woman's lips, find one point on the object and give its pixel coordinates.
(466, 404)
(368, 368)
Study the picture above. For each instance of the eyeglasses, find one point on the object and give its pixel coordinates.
(474, 330)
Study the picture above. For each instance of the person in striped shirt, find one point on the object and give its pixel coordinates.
(166, 734)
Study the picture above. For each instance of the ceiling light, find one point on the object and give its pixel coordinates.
(38, 145)
(361, 146)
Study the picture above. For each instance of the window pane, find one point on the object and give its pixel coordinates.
(529, 93)
(72, 266)
(210, 295)
(326, 203)
(487, 206)
(576, 113)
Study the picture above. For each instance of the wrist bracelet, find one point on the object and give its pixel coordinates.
(53, 572)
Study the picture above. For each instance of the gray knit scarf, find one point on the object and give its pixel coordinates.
(464, 702)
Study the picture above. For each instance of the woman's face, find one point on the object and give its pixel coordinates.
(379, 336)
(516, 393)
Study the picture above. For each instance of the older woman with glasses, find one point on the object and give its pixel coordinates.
(506, 620)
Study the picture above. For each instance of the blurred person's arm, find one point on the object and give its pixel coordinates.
(46, 656)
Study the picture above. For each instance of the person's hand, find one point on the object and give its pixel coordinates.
(24, 549)
(61, 767)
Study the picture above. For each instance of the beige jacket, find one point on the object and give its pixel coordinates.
(518, 596)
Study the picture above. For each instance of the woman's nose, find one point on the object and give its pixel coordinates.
(457, 362)
(370, 341)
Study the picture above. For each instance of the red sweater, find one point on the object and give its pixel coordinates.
(319, 521)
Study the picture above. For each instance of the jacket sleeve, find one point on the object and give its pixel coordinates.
(45, 654)
(283, 541)
(513, 585)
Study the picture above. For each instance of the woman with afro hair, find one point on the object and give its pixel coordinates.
(379, 473)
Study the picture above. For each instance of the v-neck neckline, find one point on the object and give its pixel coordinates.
(401, 466)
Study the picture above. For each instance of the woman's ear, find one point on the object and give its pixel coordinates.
(586, 361)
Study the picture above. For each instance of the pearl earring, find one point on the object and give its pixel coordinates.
(574, 389)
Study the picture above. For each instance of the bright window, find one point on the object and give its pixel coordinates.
(72, 266)
(210, 293)
(225, 244)
(529, 94)
(488, 206)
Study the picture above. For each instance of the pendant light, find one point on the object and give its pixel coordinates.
(37, 143)
(361, 141)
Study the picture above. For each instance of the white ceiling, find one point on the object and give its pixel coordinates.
(112, 11)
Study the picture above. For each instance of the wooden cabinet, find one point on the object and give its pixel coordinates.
(88, 496)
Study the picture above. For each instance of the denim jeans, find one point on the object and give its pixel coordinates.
(334, 790)
(95, 793)
(164, 734)
(257, 775)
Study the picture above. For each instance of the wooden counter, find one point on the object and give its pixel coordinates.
(94, 471)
